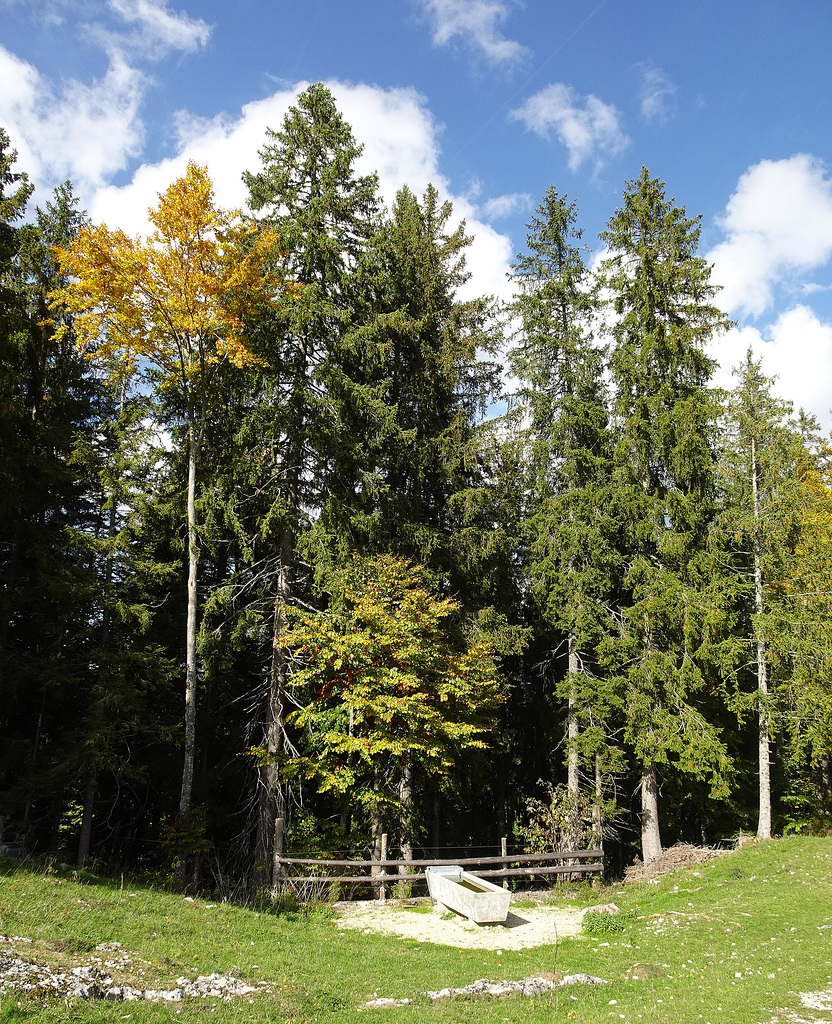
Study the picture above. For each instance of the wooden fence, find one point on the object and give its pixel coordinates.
(588, 863)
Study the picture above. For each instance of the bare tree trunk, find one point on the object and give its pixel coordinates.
(277, 852)
(822, 784)
(598, 819)
(91, 775)
(85, 839)
(436, 823)
(573, 763)
(764, 746)
(271, 794)
(272, 802)
(377, 833)
(190, 635)
(651, 844)
(11, 576)
(35, 749)
(597, 808)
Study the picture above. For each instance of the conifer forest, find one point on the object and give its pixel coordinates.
(290, 529)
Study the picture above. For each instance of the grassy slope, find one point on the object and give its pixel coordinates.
(734, 940)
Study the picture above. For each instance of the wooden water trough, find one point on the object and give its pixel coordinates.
(475, 898)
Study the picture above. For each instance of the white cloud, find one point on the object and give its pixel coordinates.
(796, 349)
(658, 96)
(84, 132)
(397, 131)
(506, 205)
(400, 140)
(588, 128)
(476, 23)
(160, 29)
(88, 131)
(46, 13)
(778, 225)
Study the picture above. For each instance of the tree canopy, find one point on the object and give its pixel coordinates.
(272, 454)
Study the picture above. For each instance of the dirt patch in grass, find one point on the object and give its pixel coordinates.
(525, 927)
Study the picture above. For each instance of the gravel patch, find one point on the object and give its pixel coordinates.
(525, 927)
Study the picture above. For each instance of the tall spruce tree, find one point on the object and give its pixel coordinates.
(49, 588)
(561, 406)
(324, 213)
(436, 497)
(15, 192)
(763, 452)
(665, 418)
(435, 382)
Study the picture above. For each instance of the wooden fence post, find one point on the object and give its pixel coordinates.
(277, 850)
(504, 853)
(383, 888)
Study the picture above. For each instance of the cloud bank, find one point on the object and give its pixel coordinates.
(796, 349)
(778, 226)
(88, 131)
(85, 132)
(400, 144)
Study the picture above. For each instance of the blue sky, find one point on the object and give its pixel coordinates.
(492, 100)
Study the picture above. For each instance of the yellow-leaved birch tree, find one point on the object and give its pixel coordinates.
(177, 301)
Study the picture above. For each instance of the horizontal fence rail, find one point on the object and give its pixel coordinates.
(562, 862)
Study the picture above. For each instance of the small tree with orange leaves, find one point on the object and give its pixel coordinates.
(176, 301)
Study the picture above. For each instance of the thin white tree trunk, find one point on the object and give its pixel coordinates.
(190, 635)
(764, 725)
(651, 843)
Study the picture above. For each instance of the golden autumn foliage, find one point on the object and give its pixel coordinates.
(390, 677)
(177, 299)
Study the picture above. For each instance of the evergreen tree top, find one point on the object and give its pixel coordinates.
(15, 187)
(308, 190)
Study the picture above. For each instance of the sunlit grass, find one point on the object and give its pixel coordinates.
(736, 939)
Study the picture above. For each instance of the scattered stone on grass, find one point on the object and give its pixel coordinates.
(90, 982)
(534, 985)
(821, 1001)
(384, 1004)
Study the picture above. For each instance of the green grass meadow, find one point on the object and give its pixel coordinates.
(733, 940)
